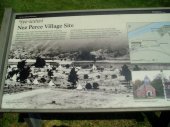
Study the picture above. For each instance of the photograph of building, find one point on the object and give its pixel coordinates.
(147, 84)
(146, 89)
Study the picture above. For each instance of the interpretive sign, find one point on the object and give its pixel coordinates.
(86, 61)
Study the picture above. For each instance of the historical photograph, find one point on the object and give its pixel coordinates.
(58, 67)
(76, 62)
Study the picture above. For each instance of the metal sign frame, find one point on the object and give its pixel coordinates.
(6, 38)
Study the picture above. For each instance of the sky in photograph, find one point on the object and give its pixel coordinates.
(140, 75)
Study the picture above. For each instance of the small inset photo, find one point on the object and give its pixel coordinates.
(147, 84)
(166, 75)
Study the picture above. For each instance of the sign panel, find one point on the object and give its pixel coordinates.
(116, 60)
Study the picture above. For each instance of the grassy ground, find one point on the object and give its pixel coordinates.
(11, 119)
(55, 5)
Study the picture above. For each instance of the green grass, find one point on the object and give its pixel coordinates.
(56, 5)
(11, 119)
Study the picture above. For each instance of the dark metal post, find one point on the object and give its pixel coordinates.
(33, 120)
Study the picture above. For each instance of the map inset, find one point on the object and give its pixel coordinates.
(149, 42)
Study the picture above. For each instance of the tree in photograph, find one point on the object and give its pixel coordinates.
(54, 68)
(136, 68)
(137, 84)
(128, 76)
(21, 64)
(100, 58)
(42, 80)
(50, 73)
(114, 76)
(117, 53)
(98, 76)
(127, 73)
(95, 85)
(88, 86)
(40, 62)
(86, 76)
(67, 66)
(12, 73)
(124, 69)
(157, 84)
(85, 55)
(73, 77)
(24, 71)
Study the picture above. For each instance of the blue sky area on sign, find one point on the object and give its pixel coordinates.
(147, 28)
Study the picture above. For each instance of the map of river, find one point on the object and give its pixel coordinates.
(149, 42)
